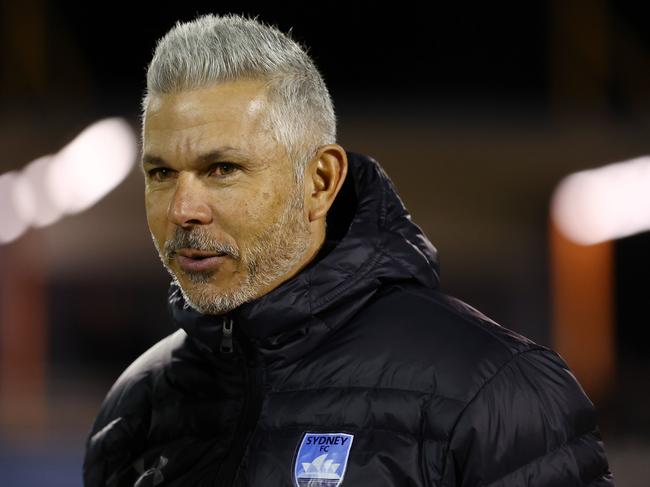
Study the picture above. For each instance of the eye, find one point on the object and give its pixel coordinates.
(159, 173)
(222, 169)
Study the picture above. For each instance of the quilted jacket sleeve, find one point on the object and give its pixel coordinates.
(530, 425)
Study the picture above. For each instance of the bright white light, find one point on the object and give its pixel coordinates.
(92, 165)
(32, 197)
(605, 203)
(11, 223)
(72, 180)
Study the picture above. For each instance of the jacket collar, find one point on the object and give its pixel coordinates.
(370, 239)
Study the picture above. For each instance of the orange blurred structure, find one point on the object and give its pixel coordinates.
(582, 282)
(23, 339)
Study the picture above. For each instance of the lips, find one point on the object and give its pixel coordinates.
(198, 254)
(194, 260)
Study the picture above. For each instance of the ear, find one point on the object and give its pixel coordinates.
(324, 177)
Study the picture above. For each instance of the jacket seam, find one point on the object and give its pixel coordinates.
(383, 176)
(607, 475)
(394, 389)
(424, 409)
(565, 444)
(476, 323)
(369, 264)
(475, 396)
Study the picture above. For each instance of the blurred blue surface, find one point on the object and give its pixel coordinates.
(52, 465)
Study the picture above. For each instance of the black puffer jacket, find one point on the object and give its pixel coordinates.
(356, 372)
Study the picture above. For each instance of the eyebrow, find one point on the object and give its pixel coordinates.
(202, 159)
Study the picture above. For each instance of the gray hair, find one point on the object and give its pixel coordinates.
(213, 49)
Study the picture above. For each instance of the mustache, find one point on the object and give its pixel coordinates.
(199, 239)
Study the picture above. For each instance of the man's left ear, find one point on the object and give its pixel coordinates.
(324, 177)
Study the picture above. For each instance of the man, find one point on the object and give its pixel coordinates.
(314, 347)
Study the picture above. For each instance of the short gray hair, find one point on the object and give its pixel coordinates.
(212, 49)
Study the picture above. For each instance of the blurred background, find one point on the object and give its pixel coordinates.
(477, 111)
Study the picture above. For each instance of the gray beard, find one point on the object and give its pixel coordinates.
(271, 255)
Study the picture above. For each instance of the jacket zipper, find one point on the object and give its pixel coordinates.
(226, 336)
(251, 407)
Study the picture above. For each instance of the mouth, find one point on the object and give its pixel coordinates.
(197, 254)
(195, 260)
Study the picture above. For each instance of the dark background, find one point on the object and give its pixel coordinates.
(476, 110)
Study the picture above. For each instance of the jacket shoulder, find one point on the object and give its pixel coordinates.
(513, 409)
(452, 312)
(529, 424)
(123, 419)
(130, 391)
(438, 333)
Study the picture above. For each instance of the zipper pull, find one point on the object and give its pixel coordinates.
(226, 336)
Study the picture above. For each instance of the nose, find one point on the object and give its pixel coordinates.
(189, 205)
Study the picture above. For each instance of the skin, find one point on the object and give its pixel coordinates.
(235, 198)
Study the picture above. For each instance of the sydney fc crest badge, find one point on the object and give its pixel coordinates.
(321, 459)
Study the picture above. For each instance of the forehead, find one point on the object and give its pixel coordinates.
(231, 113)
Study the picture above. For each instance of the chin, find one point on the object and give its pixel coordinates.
(208, 298)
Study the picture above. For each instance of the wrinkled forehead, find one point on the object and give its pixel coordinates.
(233, 113)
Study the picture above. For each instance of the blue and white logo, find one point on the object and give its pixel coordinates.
(321, 459)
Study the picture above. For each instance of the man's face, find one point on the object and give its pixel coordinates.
(224, 212)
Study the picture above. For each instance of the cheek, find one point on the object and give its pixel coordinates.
(156, 212)
(251, 218)
(244, 219)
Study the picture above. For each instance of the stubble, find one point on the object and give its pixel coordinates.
(271, 254)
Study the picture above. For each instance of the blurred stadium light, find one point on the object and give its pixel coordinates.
(73, 180)
(603, 204)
